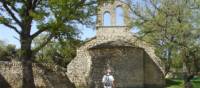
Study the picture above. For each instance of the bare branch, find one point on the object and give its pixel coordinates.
(12, 27)
(12, 14)
(135, 12)
(13, 7)
(35, 3)
(43, 44)
(159, 9)
(37, 33)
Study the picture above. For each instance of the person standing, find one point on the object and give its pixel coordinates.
(108, 79)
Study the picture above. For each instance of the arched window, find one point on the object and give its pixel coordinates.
(119, 16)
(106, 19)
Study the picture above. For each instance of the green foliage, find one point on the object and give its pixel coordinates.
(169, 25)
(56, 18)
(60, 52)
(178, 83)
(172, 26)
(174, 83)
(7, 52)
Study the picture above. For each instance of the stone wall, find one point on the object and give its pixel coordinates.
(111, 9)
(79, 69)
(45, 76)
(125, 62)
(152, 76)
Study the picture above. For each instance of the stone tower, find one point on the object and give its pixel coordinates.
(133, 62)
(113, 29)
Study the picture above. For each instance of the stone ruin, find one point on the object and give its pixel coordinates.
(133, 62)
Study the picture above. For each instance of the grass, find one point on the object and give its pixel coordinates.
(178, 83)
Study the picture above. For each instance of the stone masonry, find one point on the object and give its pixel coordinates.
(133, 62)
(45, 76)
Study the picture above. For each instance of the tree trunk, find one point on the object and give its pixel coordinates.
(187, 80)
(187, 84)
(26, 57)
(187, 76)
(169, 61)
(28, 79)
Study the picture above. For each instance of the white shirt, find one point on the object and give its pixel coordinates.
(111, 78)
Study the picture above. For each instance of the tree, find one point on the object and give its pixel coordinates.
(7, 52)
(57, 52)
(172, 26)
(53, 17)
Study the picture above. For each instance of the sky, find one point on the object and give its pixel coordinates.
(11, 37)
(8, 36)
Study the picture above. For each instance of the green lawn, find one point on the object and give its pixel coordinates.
(178, 83)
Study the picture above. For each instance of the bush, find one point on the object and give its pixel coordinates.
(7, 52)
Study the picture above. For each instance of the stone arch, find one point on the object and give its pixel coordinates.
(111, 7)
(125, 8)
(119, 11)
(82, 75)
(107, 18)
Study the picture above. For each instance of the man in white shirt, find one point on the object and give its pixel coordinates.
(108, 79)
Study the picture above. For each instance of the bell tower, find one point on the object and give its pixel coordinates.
(109, 27)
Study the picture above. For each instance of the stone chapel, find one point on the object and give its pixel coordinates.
(133, 62)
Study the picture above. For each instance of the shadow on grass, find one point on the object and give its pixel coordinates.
(196, 83)
(178, 83)
(171, 82)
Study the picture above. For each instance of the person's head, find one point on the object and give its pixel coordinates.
(108, 71)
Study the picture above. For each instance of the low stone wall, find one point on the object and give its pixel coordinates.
(45, 76)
